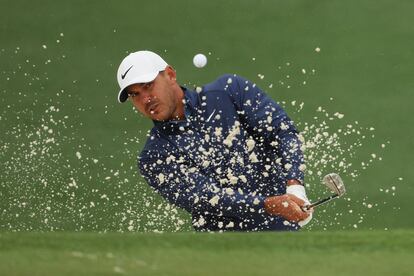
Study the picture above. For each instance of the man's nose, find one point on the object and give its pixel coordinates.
(145, 96)
(147, 100)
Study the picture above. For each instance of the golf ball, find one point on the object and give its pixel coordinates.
(200, 60)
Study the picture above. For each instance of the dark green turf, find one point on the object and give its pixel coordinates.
(317, 253)
(365, 65)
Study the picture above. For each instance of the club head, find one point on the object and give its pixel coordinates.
(334, 182)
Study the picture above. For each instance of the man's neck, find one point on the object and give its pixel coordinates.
(179, 112)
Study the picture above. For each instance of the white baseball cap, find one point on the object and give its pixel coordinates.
(138, 67)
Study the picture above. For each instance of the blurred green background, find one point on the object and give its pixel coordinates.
(68, 149)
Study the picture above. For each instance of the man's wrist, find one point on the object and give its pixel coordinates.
(293, 182)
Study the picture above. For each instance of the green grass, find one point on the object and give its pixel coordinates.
(318, 253)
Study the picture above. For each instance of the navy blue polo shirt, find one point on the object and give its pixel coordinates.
(235, 147)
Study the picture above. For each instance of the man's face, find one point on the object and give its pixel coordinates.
(157, 99)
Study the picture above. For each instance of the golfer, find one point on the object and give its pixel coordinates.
(226, 153)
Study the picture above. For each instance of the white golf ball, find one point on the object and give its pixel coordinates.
(200, 60)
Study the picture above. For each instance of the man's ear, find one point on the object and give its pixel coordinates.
(172, 75)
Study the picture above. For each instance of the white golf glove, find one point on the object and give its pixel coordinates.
(299, 191)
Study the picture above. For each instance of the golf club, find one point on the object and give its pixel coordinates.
(334, 182)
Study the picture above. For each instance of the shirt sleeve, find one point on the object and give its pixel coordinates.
(190, 189)
(267, 120)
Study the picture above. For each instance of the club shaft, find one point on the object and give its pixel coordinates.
(321, 202)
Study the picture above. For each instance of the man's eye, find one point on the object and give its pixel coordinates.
(133, 95)
(148, 85)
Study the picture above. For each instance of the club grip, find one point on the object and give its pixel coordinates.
(307, 207)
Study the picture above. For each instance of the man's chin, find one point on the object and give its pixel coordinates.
(157, 117)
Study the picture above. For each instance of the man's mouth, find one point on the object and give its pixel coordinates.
(151, 108)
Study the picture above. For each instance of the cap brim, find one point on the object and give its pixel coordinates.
(123, 94)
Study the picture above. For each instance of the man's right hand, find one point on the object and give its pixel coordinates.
(287, 206)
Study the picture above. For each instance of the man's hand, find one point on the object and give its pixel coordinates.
(287, 206)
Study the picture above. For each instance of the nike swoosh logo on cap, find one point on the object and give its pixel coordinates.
(126, 72)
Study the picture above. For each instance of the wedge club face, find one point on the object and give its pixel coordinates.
(334, 183)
